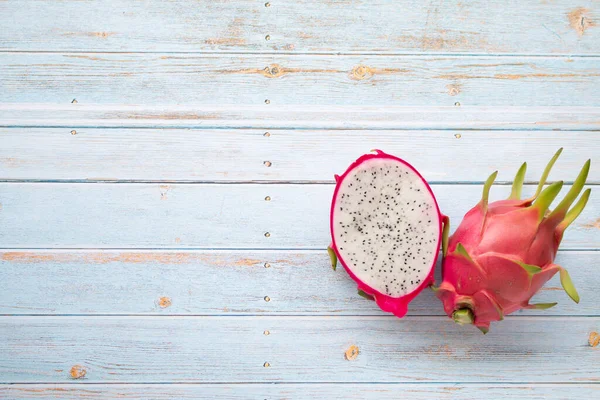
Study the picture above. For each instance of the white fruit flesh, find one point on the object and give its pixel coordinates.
(386, 226)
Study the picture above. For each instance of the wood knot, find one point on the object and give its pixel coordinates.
(594, 339)
(273, 71)
(361, 72)
(453, 89)
(164, 302)
(351, 353)
(580, 20)
(77, 372)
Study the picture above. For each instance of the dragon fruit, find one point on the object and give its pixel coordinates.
(386, 230)
(503, 252)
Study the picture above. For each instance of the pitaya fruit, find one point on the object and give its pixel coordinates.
(503, 252)
(386, 230)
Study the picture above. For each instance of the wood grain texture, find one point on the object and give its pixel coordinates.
(154, 285)
(299, 117)
(296, 155)
(301, 391)
(225, 283)
(189, 79)
(408, 26)
(126, 215)
(298, 349)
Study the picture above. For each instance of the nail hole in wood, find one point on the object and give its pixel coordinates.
(267, 134)
(268, 37)
(267, 299)
(267, 265)
(74, 101)
(268, 198)
(267, 163)
(457, 104)
(73, 132)
(266, 365)
(458, 135)
(266, 333)
(267, 234)
(267, 4)
(267, 101)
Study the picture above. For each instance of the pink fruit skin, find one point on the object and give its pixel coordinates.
(395, 305)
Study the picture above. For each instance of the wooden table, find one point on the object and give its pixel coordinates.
(166, 170)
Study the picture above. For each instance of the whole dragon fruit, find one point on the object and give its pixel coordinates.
(503, 252)
(386, 230)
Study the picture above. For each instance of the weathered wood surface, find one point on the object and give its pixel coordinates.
(224, 283)
(295, 155)
(201, 79)
(206, 216)
(297, 349)
(351, 391)
(154, 285)
(365, 117)
(408, 26)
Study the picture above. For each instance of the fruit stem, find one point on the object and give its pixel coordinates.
(463, 316)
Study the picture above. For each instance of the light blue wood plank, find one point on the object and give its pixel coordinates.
(189, 79)
(184, 282)
(302, 391)
(103, 215)
(298, 349)
(299, 26)
(296, 155)
(299, 117)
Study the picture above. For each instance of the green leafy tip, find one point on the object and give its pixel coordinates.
(531, 269)
(546, 198)
(515, 193)
(460, 249)
(547, 172)
(567, 284)
(365, 295)
(483, 329)
(486, 190)
(572, 194)
(541, 306)
(575, 211)
(445, 233)
(464, 316)
(332, 257)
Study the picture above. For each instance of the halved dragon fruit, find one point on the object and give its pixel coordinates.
(386, 229)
